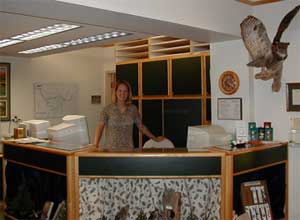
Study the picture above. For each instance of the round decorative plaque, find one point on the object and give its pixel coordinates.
(229, 82)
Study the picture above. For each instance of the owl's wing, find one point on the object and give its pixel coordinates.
(256, 40)
(285, 22)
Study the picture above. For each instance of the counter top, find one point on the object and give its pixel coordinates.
(51, 147)
(248, 148)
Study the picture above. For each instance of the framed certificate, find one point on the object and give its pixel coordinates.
(230, 108)
(293, 97)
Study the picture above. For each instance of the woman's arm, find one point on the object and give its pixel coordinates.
(98, 133)
(148, 133)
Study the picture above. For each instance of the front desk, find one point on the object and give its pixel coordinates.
(263, 162)
(42, 172)
(140, 179)
(99, 184)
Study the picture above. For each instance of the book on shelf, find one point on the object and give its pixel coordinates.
(61, 211)
(46, 211)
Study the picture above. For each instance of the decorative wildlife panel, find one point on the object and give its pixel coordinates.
(138, 199)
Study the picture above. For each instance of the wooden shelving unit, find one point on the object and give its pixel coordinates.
(168, 76)
(199, 47)
(158, 46)
(137, 49)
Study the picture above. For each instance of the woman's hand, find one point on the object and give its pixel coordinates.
(159, 138)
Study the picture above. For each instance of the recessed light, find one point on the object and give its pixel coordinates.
(35, 34)
(43, 32)
(75, 42)
(8, 42)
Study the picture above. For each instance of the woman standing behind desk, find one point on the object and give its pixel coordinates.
(118, 119)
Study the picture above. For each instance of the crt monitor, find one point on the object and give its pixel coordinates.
(204, 136)
(73, 130)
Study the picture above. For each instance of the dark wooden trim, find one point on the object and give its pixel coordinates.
(150, 166)
(257, 159)
(35, 158)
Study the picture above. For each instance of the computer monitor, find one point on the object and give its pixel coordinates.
(73, 130)
(36, 128)
(204, 136)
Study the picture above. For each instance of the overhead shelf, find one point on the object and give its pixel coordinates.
(199, 47)
(139, 48)
(133, 43)
(172, 50)
(157, 46)
(172, 43)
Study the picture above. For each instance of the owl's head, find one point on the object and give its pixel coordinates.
(279, 50)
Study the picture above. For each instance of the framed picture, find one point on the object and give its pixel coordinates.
(96, 99)
(293, 97)
(4, 91)
(230, 108)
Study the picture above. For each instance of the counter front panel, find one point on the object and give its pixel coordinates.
(149, 166)
(255, 159)
(35, 158)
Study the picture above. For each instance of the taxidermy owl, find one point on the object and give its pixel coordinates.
(269, 56)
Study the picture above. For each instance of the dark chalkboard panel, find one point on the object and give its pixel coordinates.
(207, 64)
(186, 76)
(152, 117)
(149, 166)
(208, 109)
(135, 129)
(129, 72)
(155, 77)
(35, 158)
(178, 115)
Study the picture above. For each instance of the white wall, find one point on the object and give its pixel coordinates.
(85, 68)
(270, 106)
(230, 56)
(259, 102)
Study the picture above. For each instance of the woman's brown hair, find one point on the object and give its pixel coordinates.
(123, 82)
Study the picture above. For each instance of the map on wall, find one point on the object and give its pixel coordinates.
(55, 100)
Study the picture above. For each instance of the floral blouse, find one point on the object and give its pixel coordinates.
(119, 126)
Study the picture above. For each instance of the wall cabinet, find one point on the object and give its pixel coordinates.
(186, 76)
(135, 129)
(155, 77)
(170, 85)
(207, 74)
(158, 46)
(129, 72)
(171, 118)
(178, 115)
(153, 117)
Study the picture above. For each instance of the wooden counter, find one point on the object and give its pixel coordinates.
(56, 159)
(177, 166)
(85, 166)
(244, 164)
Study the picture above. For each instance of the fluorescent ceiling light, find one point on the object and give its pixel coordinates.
(8, 42)
(35, 34)
(76, 42)
(43, 32)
